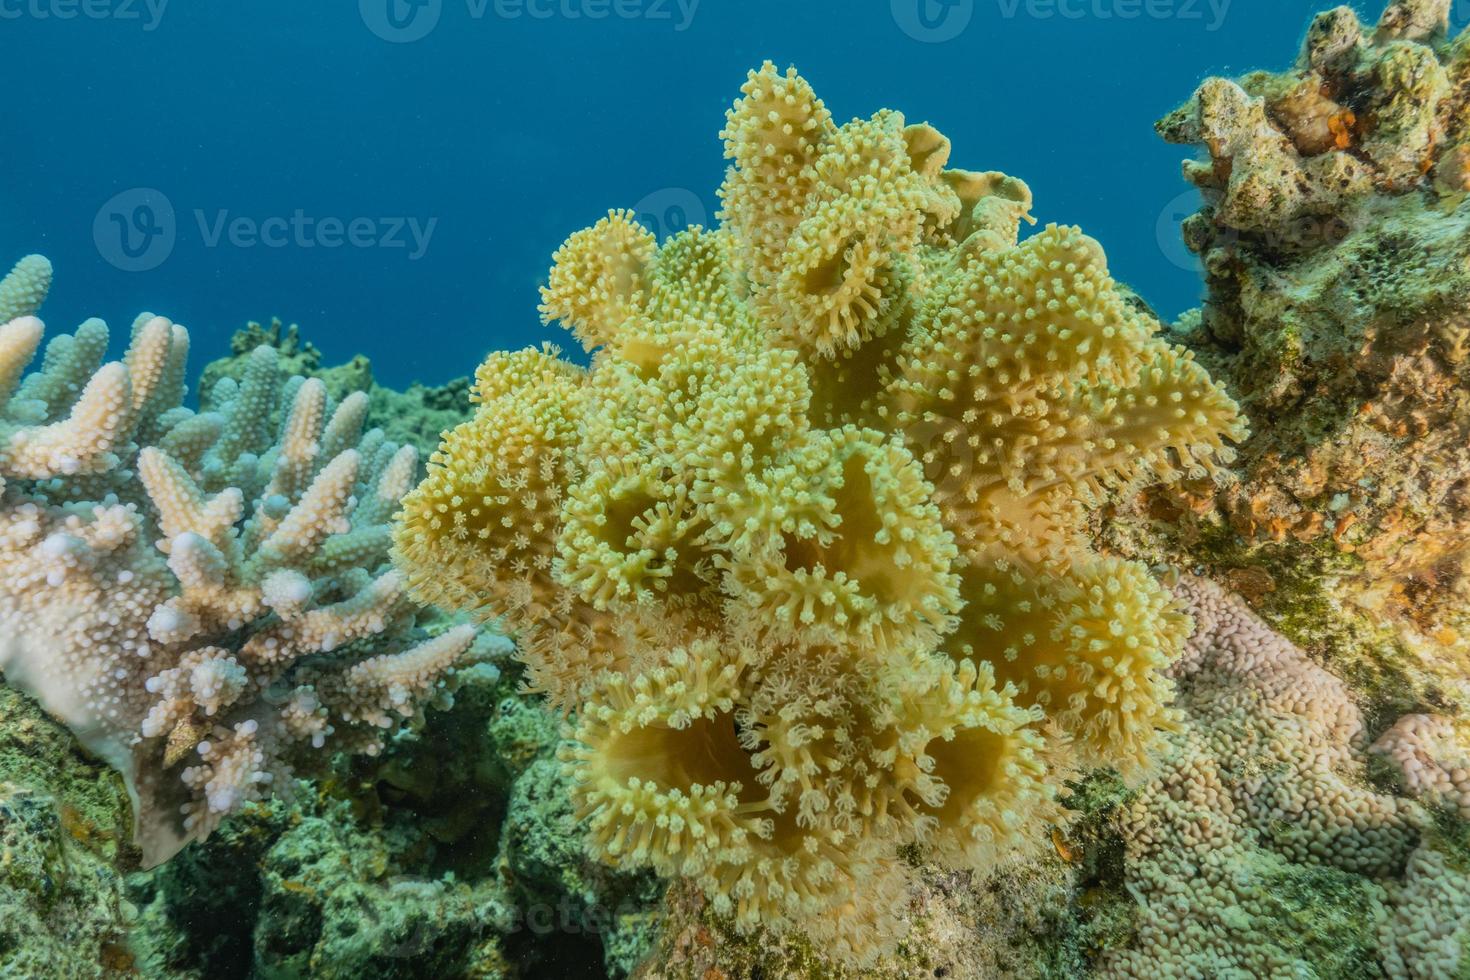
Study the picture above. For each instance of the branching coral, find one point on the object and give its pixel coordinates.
(414, 417)
(805, 548)
(209, 612)
(24, 290)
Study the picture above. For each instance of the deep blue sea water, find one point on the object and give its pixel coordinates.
(405, 168)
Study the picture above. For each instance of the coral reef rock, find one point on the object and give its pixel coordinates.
(61, 910)
(1336, 249)
(453, 853)
(65, 824)
(810, 536)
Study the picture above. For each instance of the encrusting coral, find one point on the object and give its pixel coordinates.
(805, 549)
(1432, 764)
(1258, 849)
(213, 610)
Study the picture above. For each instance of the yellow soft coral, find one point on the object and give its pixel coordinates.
(599, 278)
(1088, 646)
(977, 775)
(630, 537)
(845, 548)
(480, 532)
(773, 134)
(663, 746)
(806, 549)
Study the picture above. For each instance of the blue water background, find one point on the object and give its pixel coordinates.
(509, 132)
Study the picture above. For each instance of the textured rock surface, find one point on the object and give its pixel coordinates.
(1336, 245)
(65, 824)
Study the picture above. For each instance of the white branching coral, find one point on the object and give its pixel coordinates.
(213, 611)
(24, 289)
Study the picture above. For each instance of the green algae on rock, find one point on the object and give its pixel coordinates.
(61, 907)
(65, 826)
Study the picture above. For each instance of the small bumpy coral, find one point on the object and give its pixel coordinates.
(1257, 849)
(1432, 763)
(805, 548)
(214, 609)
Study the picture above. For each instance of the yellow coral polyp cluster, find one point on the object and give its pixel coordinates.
(847, 549)
(805, 550)
(1085, 645)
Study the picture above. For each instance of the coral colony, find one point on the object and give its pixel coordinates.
(875, 535)
(209, 609)
(1336, 256)
(805, 546)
